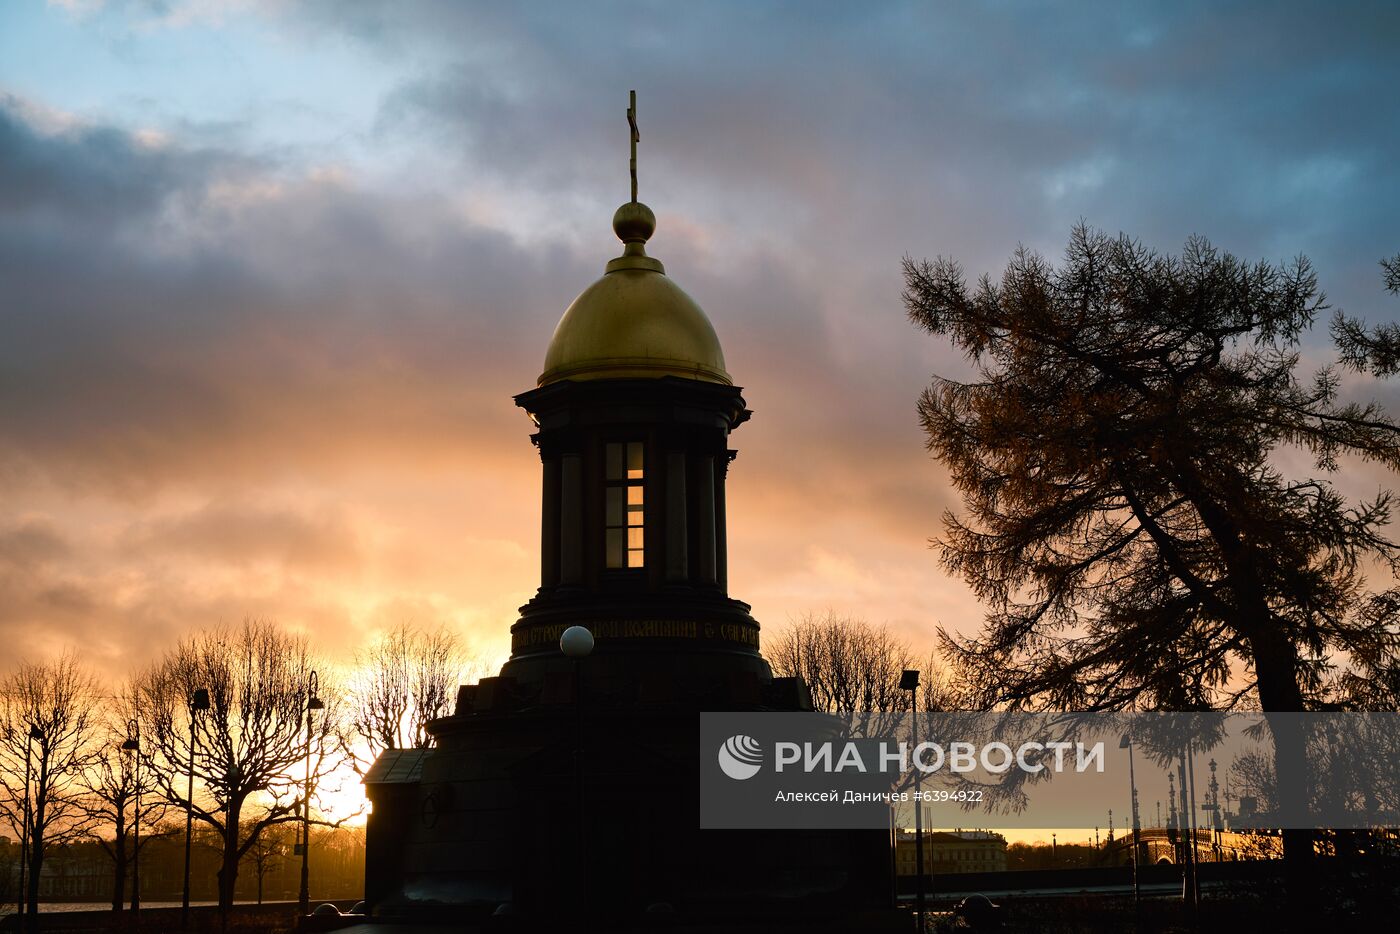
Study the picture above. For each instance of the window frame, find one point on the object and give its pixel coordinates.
(624, 505)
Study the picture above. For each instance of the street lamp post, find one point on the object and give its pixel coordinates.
(133, 746)
(1186, 833)
(199, 703)
(577, 643)
(1217, 825)
(909, 681)
(313, 702)
(34, 733)
(1195, 828)
(1127, 743)
(19, 901)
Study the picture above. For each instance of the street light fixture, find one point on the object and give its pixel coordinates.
(909, 681)
(576, 642)
(34, 733)
(313, 702)
(19, 902)
(1127, 743)
(199, 703)
(133, 746)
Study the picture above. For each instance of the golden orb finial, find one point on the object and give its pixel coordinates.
(634, 223)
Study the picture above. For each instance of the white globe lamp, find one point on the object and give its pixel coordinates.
(576, 642)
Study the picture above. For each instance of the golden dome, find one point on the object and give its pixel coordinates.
(634, 322)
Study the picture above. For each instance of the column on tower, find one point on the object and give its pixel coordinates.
(705, 513)
(571, 521)
(677, 546)
(550, 545)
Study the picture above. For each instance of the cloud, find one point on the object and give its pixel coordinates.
(234, 325)
(74, 177)
(957, 129)
(31, 543)
(228, 534)
(215, 370)
(243, 374)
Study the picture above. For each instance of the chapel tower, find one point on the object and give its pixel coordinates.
(564, 789)
(634, 409)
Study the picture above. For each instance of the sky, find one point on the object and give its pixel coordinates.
(271, 272)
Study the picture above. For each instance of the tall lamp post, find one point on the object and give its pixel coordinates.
(34, 733)
(133, 746)
(313, 702)
(23, 832)
(909, 681)
(1194, 828)
(199, 704)
(577, 643)
(1186, 834)
(1217, 824)
(1127, 743)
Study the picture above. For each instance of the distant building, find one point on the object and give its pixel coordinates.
(79, 873)
(951, 852)
(74, 872)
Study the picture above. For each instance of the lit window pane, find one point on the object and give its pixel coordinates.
(624, 510)
(614, 458)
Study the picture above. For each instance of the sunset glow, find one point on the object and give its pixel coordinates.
(271, 274)
(263, 322)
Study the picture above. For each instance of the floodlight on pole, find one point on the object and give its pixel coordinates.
(313, 702)
(1127, 743)
(199, 703)
(133, 746)
(27, 823)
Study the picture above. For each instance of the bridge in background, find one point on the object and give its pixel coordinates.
(1166, 846)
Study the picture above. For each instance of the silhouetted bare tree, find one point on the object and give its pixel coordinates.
(851, 666)
(251, 747)
(405, 679)
(110, 782)
(269, 849)
(56, 703)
